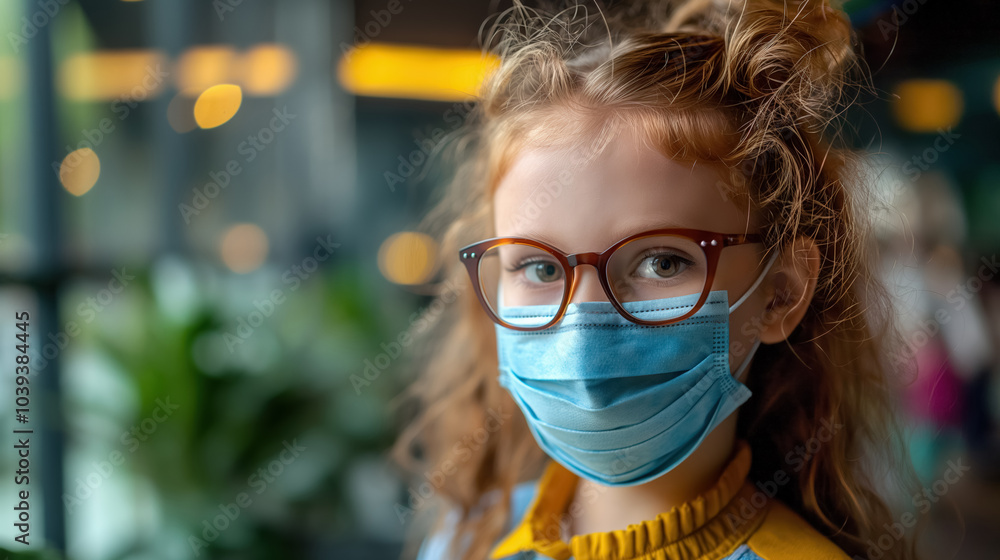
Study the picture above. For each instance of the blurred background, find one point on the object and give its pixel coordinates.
(206, 208)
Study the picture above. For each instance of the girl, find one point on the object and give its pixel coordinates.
(672, 321)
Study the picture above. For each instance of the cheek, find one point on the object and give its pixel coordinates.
(744, 329)
(742, 326)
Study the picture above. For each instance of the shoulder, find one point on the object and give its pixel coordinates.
(435, 546)
(785, 535)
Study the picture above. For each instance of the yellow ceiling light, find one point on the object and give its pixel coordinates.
(243, 248)
(199, 68)
(407, 257)
(928, 105)
(383, 70)
(267, 69)
(217, 104)
(109, 75)
(79, 171)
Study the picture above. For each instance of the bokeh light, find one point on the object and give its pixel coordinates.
(243, 248)
(928, 105)
(267, 69)
(79, 171)
(217, 104)
(180, 112)
(202, 67)
(407, 257)
(136, 75)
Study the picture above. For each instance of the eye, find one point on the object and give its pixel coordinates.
(662, 265)
(540, 271)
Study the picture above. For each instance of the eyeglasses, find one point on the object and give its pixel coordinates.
(510, 272)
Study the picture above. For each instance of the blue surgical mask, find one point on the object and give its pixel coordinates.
(619, 403)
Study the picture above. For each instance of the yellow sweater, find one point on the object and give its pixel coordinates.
(734, 520)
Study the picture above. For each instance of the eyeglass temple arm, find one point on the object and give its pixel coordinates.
(741, 239)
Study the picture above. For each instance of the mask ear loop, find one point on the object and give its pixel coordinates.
(756, 283)
(738, 374)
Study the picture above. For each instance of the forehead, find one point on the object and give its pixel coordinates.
(580, 201)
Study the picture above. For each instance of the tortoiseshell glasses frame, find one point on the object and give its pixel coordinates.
(710, 243)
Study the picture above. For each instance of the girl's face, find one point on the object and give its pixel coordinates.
(557, 196)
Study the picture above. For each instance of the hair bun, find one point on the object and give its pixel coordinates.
(793, 53)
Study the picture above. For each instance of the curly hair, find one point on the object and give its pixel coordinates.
(755, 88)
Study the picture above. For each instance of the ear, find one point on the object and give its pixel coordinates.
(791, 286)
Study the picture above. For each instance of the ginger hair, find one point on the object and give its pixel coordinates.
(756, 88)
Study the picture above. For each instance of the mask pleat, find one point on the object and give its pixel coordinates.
(567, 403)
(626, 436)
(616, 402)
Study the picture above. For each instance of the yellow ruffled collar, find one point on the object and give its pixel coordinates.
(708, 527)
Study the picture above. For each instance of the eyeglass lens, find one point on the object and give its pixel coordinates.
(643, 269)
